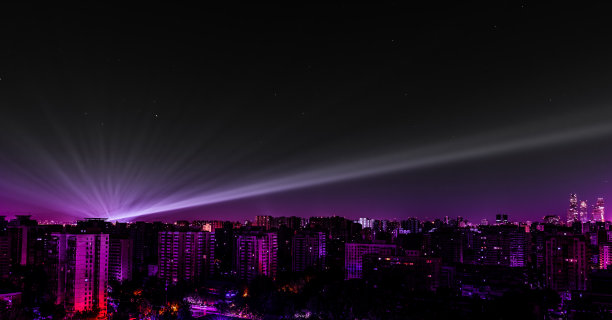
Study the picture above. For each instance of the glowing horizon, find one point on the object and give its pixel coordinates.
(102, 185)
(376, 166)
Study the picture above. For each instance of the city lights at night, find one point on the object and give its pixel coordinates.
(344, 160)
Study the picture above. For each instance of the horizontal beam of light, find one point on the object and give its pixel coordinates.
(518, 139)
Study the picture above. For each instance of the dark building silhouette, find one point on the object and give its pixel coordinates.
(411, 273)
(308, 251)
(566, 265)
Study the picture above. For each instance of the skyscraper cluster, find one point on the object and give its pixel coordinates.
(580, 212)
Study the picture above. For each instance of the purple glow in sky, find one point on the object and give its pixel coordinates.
(84, 182)
(392, 110)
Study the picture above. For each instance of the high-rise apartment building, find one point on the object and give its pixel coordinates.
(584, 212)
(502, 245)
(366, 222)
(573, 213)
(120, 259)
(145, 250)
(598, 210)
(26, 241)
(263, 221)
(566, 265)
(209, 254)
(605, 256)
(82, 272)
(184, 256)
(339, 231)
(308, 250)
(5, 249)
(411, 225)
(256, 254)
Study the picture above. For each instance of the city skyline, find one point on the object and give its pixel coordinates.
(272, 266)
(578, 211)
(384, 160)
(581, 210)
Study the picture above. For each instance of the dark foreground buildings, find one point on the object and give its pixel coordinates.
(323, 267)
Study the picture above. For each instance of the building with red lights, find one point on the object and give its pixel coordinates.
(82, 272)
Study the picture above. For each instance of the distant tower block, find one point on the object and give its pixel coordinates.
(572, 211)
(501, 218)
(598, 210)
(584, 211)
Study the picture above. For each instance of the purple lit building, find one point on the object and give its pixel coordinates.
(263, 221)
(256, 254)
(573, 213)
(183, 256)
(584, 211)
(5, 249)
(366, 222)
(598, 210)
(605, 256)
(354, 253)
(82, 272)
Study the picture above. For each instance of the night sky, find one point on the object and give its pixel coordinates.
(226, 112)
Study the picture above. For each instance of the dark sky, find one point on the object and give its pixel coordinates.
(126, 107)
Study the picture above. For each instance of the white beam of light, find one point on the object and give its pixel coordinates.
(528, 138)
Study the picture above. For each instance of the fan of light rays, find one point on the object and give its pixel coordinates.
(125, 176)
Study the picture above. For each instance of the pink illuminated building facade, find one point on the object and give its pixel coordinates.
(580, 212)
(573, 214)
(605, 256)
(584, 212)
(82, 278)
(598, 210)
(256, 255)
